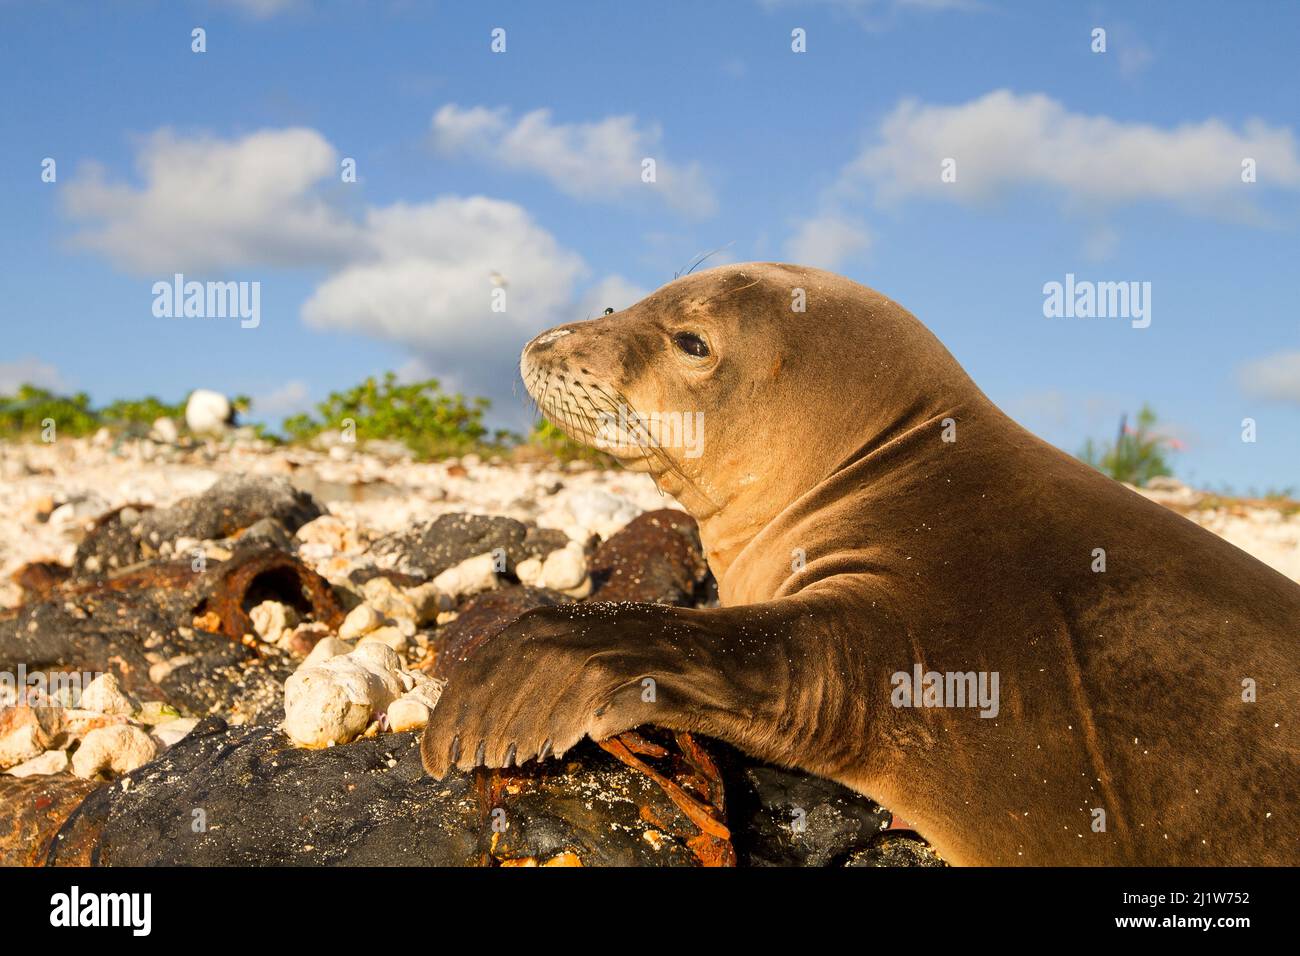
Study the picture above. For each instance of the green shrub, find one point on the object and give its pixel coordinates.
(1138, 453)
(420, 415)
(430, 422)
(24, 413)
(144, 411)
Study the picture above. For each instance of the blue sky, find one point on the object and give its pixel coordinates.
(1115, 166)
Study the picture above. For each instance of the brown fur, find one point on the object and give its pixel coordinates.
(1120, 690)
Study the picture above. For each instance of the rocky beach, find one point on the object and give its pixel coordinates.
(223, 652)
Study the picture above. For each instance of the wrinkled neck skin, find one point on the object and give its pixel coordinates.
(769, 511)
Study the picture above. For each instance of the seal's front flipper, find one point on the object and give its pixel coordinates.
(559, 674)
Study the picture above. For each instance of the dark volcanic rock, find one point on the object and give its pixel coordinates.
(788, 818)
(226, 796)
(656, 558)
(448, 540)
(235, 502)
(539, 542)
(128, 633)
(267, 533)
(896, 849)
(112, 542)
(184, 624)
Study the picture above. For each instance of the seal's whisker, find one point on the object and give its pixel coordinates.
(651, 453)
(651, 446)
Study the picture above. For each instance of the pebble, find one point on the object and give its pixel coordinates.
(105, 695)
(333, 701)
(271, 619)
(427, 690)
(27, 732)
(390, 636)
(171, 732)
(428, 602)
(117, 749)
(387, 598)
(159, 671)
(362, 619)
(529, 571)
(407, 714)
(471, 576)
(164, 430)
(331, 533)
(565, 568)
(52, 761)
(326, 648)
(207, 412)
(77, 723)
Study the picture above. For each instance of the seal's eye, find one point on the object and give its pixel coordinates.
(691, 344)
(609, 311)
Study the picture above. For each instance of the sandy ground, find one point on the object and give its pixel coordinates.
(49, 492)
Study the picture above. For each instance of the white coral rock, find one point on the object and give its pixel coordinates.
(471, 576)
(529, 571)
(333, 701)
(407, 714)
(326, 648)
(171, 732)
(27, 732)
(391, 637)
(117, 749)
(105, 695)
(362, 619)
(565, 568)
(271, 619)
(387, 598)
(52, 761)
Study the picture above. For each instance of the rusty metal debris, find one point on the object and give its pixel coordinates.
(713, 843)
(248, 578)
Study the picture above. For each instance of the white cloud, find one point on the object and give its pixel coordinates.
(589, 161)
(1004, 140)
(211, 204)
(426, 279)
(827, 241)
(29, 371)
(1274, 377)
(419, 275)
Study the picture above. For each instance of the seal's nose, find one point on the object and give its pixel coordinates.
(545, 341)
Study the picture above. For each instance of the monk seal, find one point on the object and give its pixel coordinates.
(872, 519)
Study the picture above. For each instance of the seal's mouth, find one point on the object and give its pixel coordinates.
(590, 411)
(577, 405)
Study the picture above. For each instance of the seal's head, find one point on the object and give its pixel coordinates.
(742, 387)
